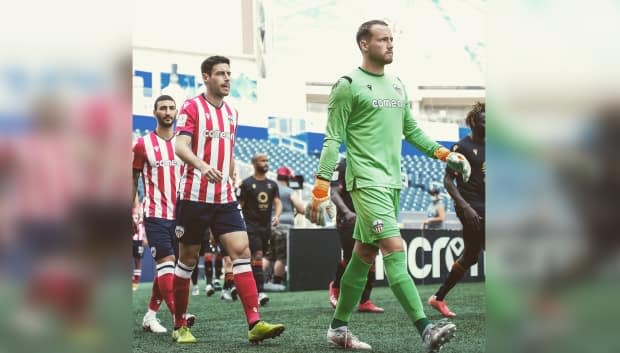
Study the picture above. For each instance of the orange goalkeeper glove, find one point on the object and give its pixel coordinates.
(455, 161)
(320, 203)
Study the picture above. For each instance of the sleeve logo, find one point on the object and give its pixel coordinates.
(181, 120)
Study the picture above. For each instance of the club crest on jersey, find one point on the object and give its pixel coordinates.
(156, 148)
(179, 231)
(230, 118)
(369, 87)
(476, 151)
(377, 226)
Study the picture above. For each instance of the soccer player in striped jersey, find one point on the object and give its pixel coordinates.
(206, 131)
(154, 159)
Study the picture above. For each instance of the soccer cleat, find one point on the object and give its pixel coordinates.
(263, 299)
(190, 318)
(342, 337)
(195, 290)
(274, 287)
(217, 285)
(226, 295)
(263, 330)
(334, 293)
(438, 334)
(441, 306)
(209, 290)
(150, 323)
(369, 307)
(183, 335)
(233, 293)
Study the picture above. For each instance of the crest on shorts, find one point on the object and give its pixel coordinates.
(377, 226)
(153, 251)
(179, 231)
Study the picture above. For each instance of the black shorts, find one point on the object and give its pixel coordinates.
(474, 240)
(194, 218)
(259, 240)
(137, 249)
(161, 238)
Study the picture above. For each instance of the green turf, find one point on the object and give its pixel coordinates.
(221, 326)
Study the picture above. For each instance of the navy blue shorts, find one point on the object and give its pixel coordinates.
(137, 249)
(194, 218)
(161, 238)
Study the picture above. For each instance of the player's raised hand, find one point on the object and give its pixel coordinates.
(213, 175)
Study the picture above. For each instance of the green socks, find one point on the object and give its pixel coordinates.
(351, 287)
(404, 289)
(354, 280)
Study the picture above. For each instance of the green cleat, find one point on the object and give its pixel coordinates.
(183, 335)
(263, 330)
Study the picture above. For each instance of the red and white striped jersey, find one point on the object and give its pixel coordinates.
(213, 133)
(161, 170)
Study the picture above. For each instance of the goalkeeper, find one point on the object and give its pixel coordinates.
(369, 111)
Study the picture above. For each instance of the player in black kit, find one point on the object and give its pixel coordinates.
(469, 203)
(258, 196)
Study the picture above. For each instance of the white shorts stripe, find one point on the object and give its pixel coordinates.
(165, 271)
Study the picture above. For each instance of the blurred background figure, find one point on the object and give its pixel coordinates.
(276, 254)
(436, 211)
(139, 244)
(259, 199)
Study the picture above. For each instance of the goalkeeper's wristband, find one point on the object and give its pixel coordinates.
(321, 188)
(442, 153)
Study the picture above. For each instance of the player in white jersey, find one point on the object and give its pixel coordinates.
(206, 130)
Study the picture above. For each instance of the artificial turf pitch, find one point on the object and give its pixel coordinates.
(221, 326)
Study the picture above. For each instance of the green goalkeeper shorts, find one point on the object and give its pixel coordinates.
(377, 210)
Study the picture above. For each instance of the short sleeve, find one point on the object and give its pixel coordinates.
(243, 190)
(276, 192)
(139, 154)
(186, 121)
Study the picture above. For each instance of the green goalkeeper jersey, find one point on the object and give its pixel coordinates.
(370, 114)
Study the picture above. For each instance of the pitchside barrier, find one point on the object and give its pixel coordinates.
(313, 255)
